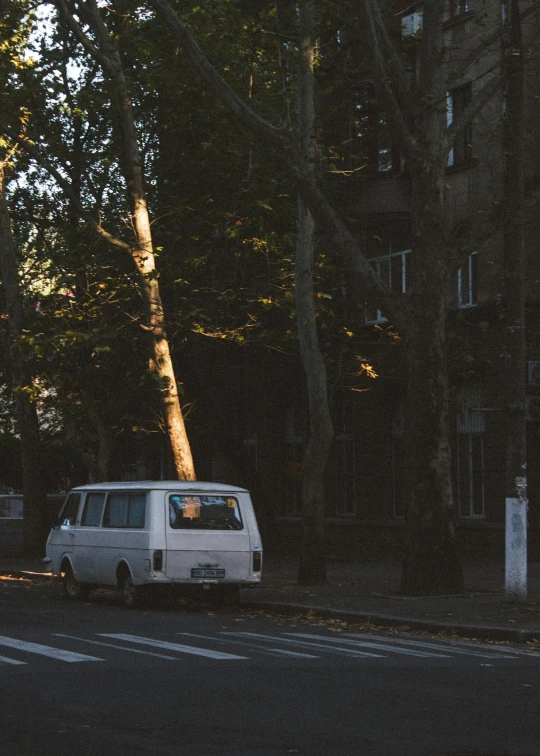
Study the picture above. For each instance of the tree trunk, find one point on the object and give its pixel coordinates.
(413, 101)
(35, 523)
(431, 564)
(514, 316)
(96, 458)
(107, 54)
(143, 258)
(312, 567)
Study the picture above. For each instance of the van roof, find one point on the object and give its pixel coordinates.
(161, 485)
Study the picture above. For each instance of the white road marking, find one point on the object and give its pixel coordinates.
(270, 650)
(308, 644)
(437, 646)
(368, 644)
(120, 648)
(38, 648)
(172, 646)
(7, 660)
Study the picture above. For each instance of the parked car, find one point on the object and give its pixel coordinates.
(142, 535)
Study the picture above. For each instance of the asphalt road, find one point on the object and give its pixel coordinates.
(95, 679)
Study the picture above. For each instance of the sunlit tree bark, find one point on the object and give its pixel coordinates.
(104, 50)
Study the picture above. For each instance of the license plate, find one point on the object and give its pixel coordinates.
(205, 572)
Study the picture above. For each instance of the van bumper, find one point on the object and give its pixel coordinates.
(249, 582)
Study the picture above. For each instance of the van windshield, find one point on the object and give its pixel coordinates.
(204, 512)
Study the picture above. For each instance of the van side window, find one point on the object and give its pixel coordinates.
(69, 512)
(93, 509)
(204, 513)
(125, 511)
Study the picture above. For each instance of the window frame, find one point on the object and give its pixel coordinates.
(62, 518)
(457, 100)
(404, 274)
(471, 300)
(87, 499)
(471, 430)
(191, 528)
(470, 479)
(458, 8)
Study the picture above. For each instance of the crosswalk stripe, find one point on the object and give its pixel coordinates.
(438, 647)
(38, 648)
(172, 646)
(369, 644)
(120, 648)
(269, 650)
(308, 644)
(7, 660)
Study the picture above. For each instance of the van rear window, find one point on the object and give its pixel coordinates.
(125, 511)
(204, 513)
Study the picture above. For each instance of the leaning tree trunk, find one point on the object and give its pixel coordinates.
(107, 54)
(35, 522)
(143, 257)
(312, 567)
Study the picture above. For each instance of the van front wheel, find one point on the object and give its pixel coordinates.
(72, 588)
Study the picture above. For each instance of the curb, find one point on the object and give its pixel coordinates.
(485, 632)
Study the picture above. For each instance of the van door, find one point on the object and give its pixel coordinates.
(62, 537)
(88, 537)
(207, 538)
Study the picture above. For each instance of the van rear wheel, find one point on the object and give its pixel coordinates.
(72, 588)
(132, 595)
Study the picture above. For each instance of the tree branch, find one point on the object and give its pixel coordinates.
(322, 211)
(491, 38)
(31, 150)
(90, 48)
(480, 99)
(401, 82)
(373, 30)
(217, 84)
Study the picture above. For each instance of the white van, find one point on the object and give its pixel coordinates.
(156, 533)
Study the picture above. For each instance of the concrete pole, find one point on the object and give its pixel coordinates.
(516, 545)
(515, 283)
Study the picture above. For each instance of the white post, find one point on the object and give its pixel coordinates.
(516, 544)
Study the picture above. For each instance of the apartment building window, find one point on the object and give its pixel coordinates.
(457, 100)
(471, 428)
(393, 269)
(341, 471)
(398, 464)
(371, 133)
(457, 7)
(296, 444)
(467, 282)
(471, 476)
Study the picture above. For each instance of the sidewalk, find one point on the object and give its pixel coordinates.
(356, 592)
